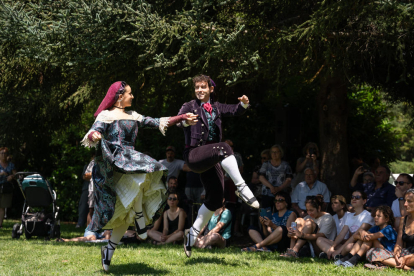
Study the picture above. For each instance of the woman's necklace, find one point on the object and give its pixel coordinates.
(119, 107)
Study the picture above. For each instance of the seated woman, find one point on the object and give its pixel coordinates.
(274, 233)
(403, 255)
(361, 219)
(316, 224)
(340, 208)
(89, 236)
(382, 237)
(217, 231)
(174, 222)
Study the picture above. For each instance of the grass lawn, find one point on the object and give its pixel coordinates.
(39, 257)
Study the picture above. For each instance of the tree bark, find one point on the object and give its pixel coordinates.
(333, 119)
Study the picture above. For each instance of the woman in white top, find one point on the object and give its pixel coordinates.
(340, 208)
(361, 219)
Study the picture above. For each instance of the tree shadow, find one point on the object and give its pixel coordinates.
(136, 269)
(213, 260)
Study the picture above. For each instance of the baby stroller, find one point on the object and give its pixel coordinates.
(38, 194)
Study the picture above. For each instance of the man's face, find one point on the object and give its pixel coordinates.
(172, 184)
(310, 177)
(403, 188)
(202, 91)
(170, 155)
(381, 175)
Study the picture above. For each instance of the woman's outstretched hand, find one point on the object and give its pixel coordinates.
(96, 136)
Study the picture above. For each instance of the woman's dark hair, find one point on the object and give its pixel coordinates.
(174, 193)
(202, 78)
(387, 212)
(315, 201)
(121, 90)
(363, 194)
(287, 198)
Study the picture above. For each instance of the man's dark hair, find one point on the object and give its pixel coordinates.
(409, 177)
(201, 78)
(172, 177)
(386, 169)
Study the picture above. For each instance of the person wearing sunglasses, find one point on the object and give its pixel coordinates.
(273, 233)
(360, 220)
(174, 223)
(379, 192)
(403, 183)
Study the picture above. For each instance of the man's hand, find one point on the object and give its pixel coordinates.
(191, 119)
(244, 99)
(360, 170)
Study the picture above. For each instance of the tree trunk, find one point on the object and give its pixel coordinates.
(333, 118)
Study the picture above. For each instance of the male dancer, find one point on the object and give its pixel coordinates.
(206, 155)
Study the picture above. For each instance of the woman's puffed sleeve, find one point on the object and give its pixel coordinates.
(98, 126)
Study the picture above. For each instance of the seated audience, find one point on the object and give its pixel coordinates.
(403, 255)
(381, 238)
(265, 156)
(309, 187)
(217, 231)
(309, 160)
(317, 224)
(273, 235)
(403, 183)
(173, 165)
(380, 191)
(367, 177)
(340, 208)
(193, 187)
(174, 222)
(361, 219)
(275, 175)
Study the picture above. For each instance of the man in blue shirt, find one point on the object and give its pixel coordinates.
(379, 192)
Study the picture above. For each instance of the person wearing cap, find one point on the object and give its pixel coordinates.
(121, 174)
(206, 155)
(173, 165)
(339, 206)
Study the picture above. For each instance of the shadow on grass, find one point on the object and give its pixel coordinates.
(213, 260)
(136, 269)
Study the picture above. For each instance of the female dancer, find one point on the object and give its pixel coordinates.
(206, 155)
(128, 186)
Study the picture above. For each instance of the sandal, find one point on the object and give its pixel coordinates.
(250, 249)
(374, 266)
(104, 255)
(290, 253)
(60, 240)
(264, 249)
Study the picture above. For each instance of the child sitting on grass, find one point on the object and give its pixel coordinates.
(381, 236)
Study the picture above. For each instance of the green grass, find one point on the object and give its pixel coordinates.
(39, 257)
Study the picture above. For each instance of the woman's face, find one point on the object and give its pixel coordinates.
(368, 179)
(3, 155)
(172, 200)
(409, 202)
(336, 205)
(280, 203)
(312, 211)
(276, 153)
(357, 200)
(127, 97)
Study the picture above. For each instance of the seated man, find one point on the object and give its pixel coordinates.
(380, 191)
(217, 231)
(309, 187)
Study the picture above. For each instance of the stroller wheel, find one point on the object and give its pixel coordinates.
(15, 234)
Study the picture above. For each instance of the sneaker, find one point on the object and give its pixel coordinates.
(323, 255)
(337, 257)
(347, 264)
(338, 262)
(243, 192)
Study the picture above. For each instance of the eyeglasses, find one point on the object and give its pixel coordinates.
(400, 183)
(356, 197)
(279, 200)
(172, 198)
